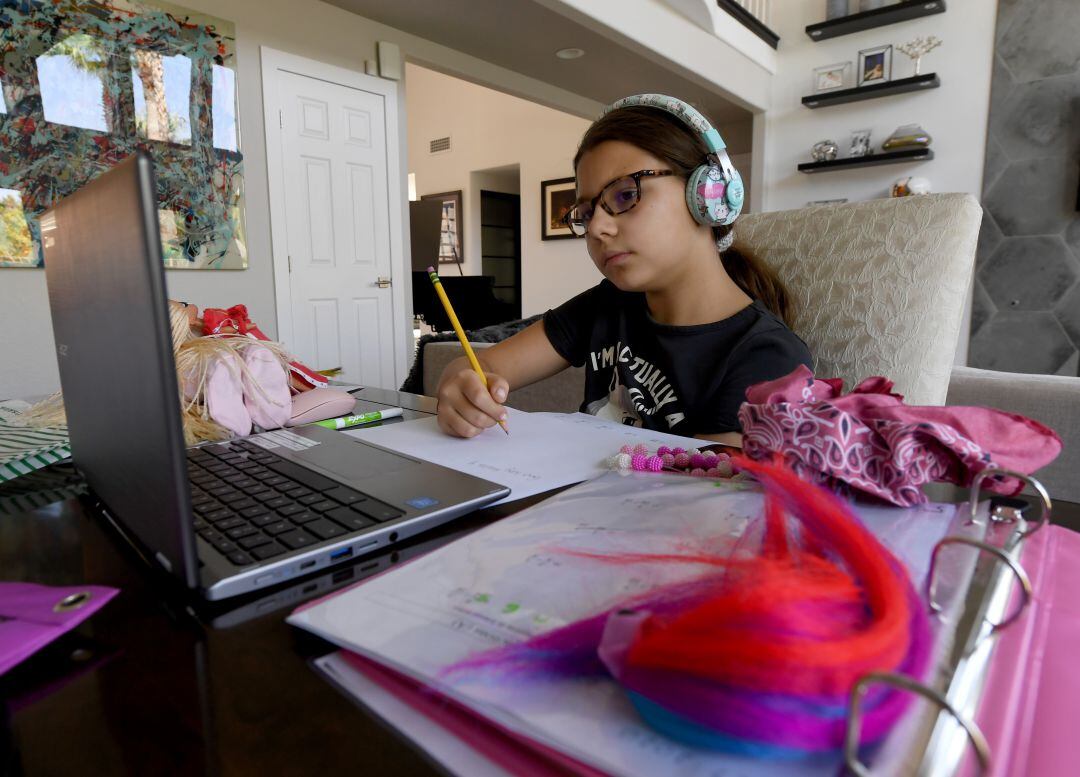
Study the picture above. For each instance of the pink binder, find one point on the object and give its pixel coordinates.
(517, 754)
(1029, 708)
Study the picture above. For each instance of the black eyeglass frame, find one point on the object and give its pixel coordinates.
(636, 177)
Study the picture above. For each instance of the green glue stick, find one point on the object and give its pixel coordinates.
(355, 420)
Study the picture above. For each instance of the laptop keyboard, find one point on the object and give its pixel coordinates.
(251, 505)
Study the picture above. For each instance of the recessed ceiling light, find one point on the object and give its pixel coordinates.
(570, 53)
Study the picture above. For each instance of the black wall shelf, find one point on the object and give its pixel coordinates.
(879, 17)
(870, 160)
(750, 22)
(900, 86)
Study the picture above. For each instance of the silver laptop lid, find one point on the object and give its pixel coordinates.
(106, 284)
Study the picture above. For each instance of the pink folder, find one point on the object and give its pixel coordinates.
(32, 616)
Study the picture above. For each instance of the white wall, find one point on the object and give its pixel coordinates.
(954, 114)
(489, 129)
(742, 72)
(304, 27)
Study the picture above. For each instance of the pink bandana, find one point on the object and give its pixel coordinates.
(870, 441)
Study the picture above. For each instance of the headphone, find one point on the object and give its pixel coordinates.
(714, 190)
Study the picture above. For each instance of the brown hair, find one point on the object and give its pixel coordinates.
(669, 139)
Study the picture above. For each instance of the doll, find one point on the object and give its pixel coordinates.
(229, 381)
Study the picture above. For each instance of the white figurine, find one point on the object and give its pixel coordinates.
(918, 48)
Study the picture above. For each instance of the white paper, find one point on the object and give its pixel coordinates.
(543, 450)
(515, 579)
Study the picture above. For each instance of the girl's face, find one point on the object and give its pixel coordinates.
(648, 246)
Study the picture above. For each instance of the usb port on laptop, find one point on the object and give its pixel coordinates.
(337, 555)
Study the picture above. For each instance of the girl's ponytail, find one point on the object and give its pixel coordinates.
(757, 279)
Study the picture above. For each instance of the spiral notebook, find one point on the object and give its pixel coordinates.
(503, 584)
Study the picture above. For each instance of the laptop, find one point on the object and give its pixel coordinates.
(227, 518)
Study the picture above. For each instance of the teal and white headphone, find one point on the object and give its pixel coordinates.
(714, 190)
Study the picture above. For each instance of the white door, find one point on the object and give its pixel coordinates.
(335, 199)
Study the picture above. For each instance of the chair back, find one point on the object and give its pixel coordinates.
(880, 286)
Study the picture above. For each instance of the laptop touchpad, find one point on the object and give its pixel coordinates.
(353, 460)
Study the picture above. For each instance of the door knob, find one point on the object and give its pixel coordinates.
(383, 283)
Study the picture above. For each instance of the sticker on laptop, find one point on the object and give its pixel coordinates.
(279, 438)
(421, 502)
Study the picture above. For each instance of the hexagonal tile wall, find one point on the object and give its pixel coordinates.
(1025, 313)
(1029, 273)
(1068, 313)
(982, 307)
(1072, 233)
(1038, 119)
(1041, 40)
(1033, 197)
(1022, 341)
(989, 238)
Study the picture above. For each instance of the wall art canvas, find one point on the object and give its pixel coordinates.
(85, 84)
(451, 241)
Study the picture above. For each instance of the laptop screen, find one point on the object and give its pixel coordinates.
(106, 283)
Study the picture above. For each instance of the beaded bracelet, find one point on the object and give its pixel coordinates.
(694, 462)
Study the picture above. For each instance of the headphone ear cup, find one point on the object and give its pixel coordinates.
(706, 196)
(734, 195)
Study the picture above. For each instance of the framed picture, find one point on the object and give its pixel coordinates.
(832, 77)
(556, 199)
(860, 143)
(875, 65)
(451, 239)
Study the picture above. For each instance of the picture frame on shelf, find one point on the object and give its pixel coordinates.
(829, 78)
(451, 239)
(860, 143)
(556, 199)
(875, 65)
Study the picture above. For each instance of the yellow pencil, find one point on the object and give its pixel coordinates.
(460, 332)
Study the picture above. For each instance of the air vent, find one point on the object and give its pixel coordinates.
(440, 145)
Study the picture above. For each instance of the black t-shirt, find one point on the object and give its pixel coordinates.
(686, 380)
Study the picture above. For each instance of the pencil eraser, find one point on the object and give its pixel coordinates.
(431, 269)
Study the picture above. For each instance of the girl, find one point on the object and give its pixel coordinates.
(681, 324)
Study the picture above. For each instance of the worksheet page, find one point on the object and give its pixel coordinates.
(542, 451)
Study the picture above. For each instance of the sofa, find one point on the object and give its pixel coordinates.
(880, 288)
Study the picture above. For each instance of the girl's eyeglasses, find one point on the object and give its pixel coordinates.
(617, 197)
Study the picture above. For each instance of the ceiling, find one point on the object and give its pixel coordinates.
(523, 36)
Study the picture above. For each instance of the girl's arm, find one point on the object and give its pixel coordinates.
(466, 408)
(734, 439)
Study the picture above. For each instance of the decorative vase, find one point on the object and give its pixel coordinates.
(911, 185)
(823, 151)
(907, 136)
(834, 9)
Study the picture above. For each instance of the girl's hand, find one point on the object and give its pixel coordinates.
(466, 407)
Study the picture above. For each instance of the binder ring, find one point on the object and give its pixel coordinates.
(1021, 575)
(903, 682)
(1044, 507)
